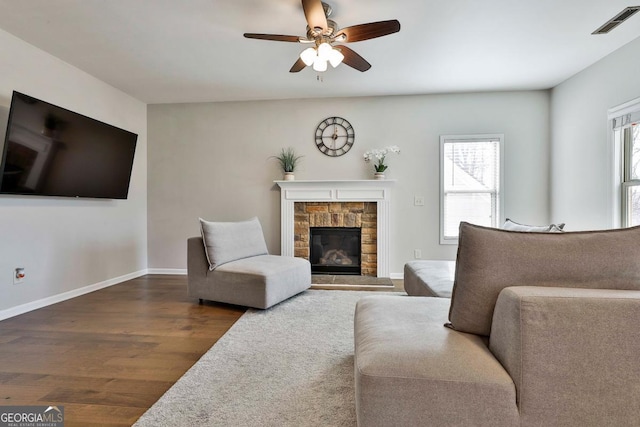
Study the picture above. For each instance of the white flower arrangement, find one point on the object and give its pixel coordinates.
(379, 154)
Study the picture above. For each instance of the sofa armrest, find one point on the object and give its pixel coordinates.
(572, 353)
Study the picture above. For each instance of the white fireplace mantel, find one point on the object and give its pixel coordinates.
(378, 191)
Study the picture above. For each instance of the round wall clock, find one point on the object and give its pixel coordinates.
(334, 136)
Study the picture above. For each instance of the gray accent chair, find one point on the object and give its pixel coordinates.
(235, 268)
(542, 330)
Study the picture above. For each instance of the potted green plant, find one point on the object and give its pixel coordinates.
(288, 162)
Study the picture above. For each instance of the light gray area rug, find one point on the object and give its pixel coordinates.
(291, 365)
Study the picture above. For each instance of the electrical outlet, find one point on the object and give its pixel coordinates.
(19, 275)
(417, 253)
(418, 200)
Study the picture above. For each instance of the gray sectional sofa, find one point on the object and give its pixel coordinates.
(542, 330)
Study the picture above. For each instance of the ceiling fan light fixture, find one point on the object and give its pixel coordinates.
(324, 51)
(322, 33)
(320, 64)
(308, 56)
(335, 57)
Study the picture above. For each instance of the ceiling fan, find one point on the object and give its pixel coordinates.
(323, 33)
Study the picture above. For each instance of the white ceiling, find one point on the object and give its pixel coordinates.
(165, 51)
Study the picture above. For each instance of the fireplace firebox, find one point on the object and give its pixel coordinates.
(335, 250)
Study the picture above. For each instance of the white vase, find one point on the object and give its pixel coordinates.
(289, 176)
(379, 175)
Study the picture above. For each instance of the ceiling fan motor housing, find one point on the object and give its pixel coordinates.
(327, 9)
(315, 33)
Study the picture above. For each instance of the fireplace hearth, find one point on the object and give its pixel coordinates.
(335, 250)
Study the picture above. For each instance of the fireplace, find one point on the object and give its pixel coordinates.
(328, 203)
(360, 218)
(335, 250)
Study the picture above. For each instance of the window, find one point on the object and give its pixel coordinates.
(470, 182)
(626, 139)
(631, 181)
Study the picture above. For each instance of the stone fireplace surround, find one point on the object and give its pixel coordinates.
(349, 195)
(360, 215)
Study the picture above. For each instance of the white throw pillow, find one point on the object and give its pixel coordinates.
(229, 241)
(514, 226)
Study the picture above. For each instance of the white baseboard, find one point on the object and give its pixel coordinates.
(397, 276)
(174, 271)
(34, 305)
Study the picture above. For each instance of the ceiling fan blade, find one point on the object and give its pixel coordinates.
(298, 66)
(274, 37)
(314, 12)
(368, 31)
(354, 60)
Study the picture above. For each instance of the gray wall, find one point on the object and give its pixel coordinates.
(581, 153)
(68, 244)
(211, 160)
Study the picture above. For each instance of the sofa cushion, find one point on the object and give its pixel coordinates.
(230, 241)
(515, 226)
(490, 260)
(411, 371)
(259, 281)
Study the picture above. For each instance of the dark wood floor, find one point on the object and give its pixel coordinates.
(109, 355)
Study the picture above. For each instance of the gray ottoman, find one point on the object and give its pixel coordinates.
(429, 278)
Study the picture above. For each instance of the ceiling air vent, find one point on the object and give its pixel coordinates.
(617, 20)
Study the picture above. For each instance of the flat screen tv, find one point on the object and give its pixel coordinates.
(51, 151)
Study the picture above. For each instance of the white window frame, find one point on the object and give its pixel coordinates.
(498, 212)
(620, 118)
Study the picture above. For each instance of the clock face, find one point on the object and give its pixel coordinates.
(334, 136)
